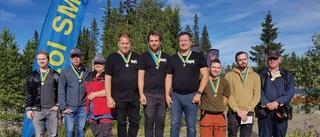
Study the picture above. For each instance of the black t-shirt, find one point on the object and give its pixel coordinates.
(154, 78)
(186, 79)
(124, 82)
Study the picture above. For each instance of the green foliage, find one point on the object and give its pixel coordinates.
(11, 87)
(28, 56)
(307, 75)
(205, 45)
(268, 35)
(196, 38)
(137, 21)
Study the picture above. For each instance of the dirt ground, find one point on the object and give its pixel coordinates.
(300, 122)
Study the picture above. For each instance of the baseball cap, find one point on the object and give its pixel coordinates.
(98, 59)
(75, 51)
(274, 54)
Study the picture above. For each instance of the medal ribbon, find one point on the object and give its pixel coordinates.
(43, 78)
(77, 74)
(156, 59)
(214, 88)
(244, 76)
(126, 60)
(184, 60)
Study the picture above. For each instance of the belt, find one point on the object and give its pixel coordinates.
(211, 112)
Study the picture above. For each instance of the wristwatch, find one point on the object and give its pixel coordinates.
(199, 92)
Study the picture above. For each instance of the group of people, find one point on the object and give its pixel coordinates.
(119, 85)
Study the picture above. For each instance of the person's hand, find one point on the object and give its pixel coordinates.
(67, 111)
(30, 114)
(111, 103)
(55, 108)
(168, 101)
(91, 96)
(244, 118)
(143, 100)
(272, 105)
(196, 98)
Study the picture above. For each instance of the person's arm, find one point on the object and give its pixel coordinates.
(28, 99)
(107, 83)
(143, 99)
(203, 83)
(62, 91)
(101, 93)
(232, 102)
(256, 92)
(225, 100)
(168, 85)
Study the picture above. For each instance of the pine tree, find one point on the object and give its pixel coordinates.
(28, 56)
(205, 45)
(11, 87)
(188, 29)
(268, 36)
(87, 47)
(196, 38)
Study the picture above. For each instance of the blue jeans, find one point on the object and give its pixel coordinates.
(182, 103)
(45, 116)
(76, 117)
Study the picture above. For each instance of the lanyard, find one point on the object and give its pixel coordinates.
(214, 88)
(125, 60)
(184, 60)
(156, 58)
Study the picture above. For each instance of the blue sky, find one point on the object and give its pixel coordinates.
(232, 25)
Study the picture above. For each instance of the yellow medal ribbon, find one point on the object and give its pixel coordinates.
(43, 77)
(77, 74)
(156, 58)
(184, 60)
(244, 76)
(214, 88)
(126, 60)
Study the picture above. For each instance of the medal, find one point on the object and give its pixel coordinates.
(214, 88)
(125, 60)
(44, 76)
(244, 76)
(184, 60)
(156, 58)
(79, 76)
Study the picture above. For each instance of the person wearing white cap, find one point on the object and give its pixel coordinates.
(72, 94)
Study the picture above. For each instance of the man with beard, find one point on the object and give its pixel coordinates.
(245, 95)
(151, 78)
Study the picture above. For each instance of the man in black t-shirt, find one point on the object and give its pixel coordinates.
(151, 78)
(183, 76)
(121, 84)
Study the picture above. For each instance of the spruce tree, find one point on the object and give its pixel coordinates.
(11, 87)
(205, 45)
(196, 38)
(28, 56)
(188, 29)
(268, 36)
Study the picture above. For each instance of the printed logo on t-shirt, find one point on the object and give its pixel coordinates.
(133, 61)
(163, 60)
(190, 62)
